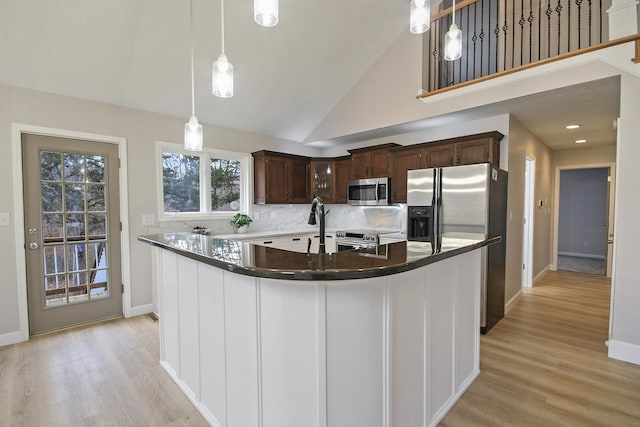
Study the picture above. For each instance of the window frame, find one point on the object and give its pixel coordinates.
(246, 178)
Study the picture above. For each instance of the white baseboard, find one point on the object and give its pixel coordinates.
(539, 275)
(12, 338)
(624, 351)
(208, 416)
(142, 309)
(581, 255)
(512, 302)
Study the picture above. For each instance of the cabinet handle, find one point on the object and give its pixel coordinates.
(458, 160)
(450, 160)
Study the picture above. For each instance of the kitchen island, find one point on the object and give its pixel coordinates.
(257, 336)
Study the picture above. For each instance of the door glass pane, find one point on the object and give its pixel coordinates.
(76, 257)
(95, 197)
(51, 166)
(73, 167)
(97, 225)
(97, 255)
(75, 226)
(95, 169)
(51, 197)
(74, 197)
(74, 204)
(52, 229)
(54, 259)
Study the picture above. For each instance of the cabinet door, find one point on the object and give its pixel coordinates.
(438, 157)
(298, 181)
(342, 172)
(379, 164)
(402, 161)
(276, 179)
(468, 153)
(359, 165)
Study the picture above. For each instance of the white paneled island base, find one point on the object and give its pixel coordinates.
(397, 350)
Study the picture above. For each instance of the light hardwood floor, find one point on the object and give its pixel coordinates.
(544, 364)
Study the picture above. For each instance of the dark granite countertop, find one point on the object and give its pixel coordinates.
(260, 261)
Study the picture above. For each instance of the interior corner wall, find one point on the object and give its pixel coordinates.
(521, 143)
(141, 129)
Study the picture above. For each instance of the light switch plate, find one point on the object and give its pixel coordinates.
(5, 219)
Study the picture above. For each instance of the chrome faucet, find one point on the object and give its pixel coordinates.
(315, 205)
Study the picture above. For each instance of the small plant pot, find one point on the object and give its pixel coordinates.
(241, 230)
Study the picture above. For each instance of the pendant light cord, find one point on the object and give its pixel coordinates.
(193, 96)
(454, 12)
(222, 23)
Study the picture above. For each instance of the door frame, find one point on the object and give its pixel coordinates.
(17, 129)
(528, 227)
(556, 207)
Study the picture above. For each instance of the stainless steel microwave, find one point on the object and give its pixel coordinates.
(368, 192)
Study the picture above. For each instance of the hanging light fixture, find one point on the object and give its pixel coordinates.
(453, 39)
(192, 129)
(265, 12)
(419, 16)
(222, 75)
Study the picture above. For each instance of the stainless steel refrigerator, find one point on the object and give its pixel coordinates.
(459, 202)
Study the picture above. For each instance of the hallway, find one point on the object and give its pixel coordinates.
(546, 362)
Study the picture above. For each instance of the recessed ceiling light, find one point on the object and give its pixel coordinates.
(581, 141)
(576, 126)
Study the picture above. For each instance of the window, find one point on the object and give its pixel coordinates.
(211, 183)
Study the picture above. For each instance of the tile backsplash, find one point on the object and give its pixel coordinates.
(295, 217)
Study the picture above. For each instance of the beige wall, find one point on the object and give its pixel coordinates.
(142, 130)
(522, 143)
(584, 156)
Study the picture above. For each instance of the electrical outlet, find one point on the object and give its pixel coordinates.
(586, 244)
(5, 219)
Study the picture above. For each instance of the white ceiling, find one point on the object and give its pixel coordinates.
(135, 53)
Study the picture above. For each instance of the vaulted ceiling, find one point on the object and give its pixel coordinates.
(135, 53)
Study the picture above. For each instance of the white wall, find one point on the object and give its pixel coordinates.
(142, 130)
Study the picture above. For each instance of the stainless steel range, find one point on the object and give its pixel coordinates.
(356, 239)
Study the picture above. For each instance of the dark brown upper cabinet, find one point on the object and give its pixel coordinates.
(370, 162)
(329, 179)
(280, 178)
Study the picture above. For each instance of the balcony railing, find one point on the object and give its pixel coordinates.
(500, 35)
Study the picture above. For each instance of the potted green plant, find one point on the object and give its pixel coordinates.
(240, 222)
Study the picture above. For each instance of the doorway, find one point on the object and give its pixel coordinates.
(72, 231)
(527, 234)
(583, 220)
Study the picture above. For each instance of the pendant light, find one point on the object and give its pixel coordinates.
(192, 129)
(265, 12)
(222, 75)
(453, 39)
(419, 16)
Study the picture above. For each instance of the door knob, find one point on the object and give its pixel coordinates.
(33, 245)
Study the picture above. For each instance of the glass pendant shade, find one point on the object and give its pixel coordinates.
(265, 12)
(222, 77)
(419, 16)
(193, 135)
(453, 43)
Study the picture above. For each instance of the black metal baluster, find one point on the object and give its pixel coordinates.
(579, 4)
(530, 19)
(559, 10)
(568, 25)
(467, 62)
(521, 23)
(539, 29)
(600, 33)
(474, 38)
(489, 38)
(496, 31)
(513, 35)
(481, 36)
(548, 12)
(590, 16)
(505, 28)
